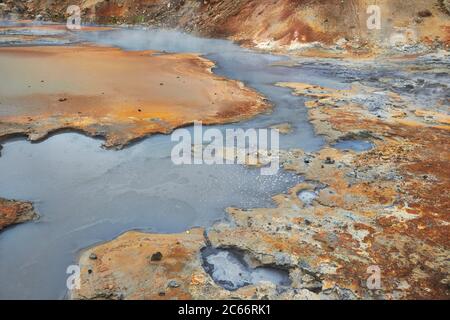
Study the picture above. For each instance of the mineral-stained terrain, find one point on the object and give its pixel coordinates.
(383, 208)
(386, 207)
(14, 212)
(286, 25)
(120, 96)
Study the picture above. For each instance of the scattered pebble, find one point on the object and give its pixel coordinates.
(424, 13)
(156, 256)
(173, 284)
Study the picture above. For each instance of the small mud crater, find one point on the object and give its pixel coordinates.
(307, 196)
(230, 270)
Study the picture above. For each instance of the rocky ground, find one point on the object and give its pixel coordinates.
(385, 207)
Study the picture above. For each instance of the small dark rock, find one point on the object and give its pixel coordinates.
(173, 284)
(156, 256)
(424, 13)
(62, 99)
(93, 256)
(328, 160)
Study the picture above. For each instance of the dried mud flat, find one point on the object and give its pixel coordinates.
(120, 96)
(385, 207)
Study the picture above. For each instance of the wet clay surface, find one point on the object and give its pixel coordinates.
(121, 96)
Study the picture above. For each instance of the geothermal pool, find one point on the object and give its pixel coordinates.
(85, 194)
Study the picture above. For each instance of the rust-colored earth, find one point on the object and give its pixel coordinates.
(121, 96)
(283, 25)
(14, 212)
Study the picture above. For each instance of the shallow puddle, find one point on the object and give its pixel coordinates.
(355, 145)
(307, 196)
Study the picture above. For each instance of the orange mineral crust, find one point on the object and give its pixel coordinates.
(121, 96)
(13, 212)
